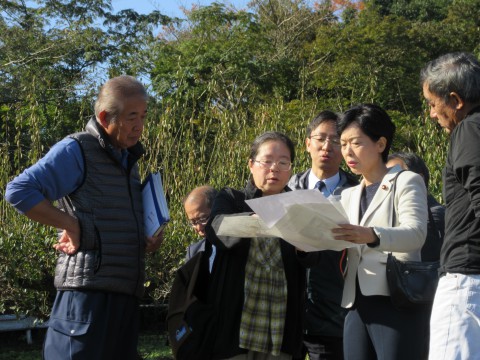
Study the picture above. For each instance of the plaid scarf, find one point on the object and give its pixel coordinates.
(265, 306)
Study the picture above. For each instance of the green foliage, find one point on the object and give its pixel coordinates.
(218, 79)
(151, 346)
(216, 55)
(371, 59)
(131, 33)
(154, 346)
(26, 267)
(420, 135)
(423, 10)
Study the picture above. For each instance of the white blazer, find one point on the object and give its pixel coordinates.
(404, 240)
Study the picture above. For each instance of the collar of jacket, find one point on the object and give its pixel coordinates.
(94, 128)
(252, 192)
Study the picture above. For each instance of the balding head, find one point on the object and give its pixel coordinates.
(204, 194)
(198, 204)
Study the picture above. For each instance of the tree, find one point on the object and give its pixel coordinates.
(215, 59)
(287, 24)
(131, 37)
(369, 59)
(41, 70)
(51, 59)
(414, 10)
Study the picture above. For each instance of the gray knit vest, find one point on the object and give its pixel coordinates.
(108, 206)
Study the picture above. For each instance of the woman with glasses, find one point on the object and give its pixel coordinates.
(260, 280)
(388, 214)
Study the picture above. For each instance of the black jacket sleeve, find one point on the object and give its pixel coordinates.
(228, 202)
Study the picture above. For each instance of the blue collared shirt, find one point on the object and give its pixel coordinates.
(330, 184)
(54, 176)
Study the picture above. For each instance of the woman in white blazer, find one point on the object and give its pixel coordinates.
(374, 328)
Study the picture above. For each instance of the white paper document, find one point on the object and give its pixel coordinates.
(303, 218)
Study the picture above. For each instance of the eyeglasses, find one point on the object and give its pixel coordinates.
(322, 139)
(200, 221)
(282, 165)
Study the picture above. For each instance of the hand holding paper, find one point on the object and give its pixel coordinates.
(303, 218)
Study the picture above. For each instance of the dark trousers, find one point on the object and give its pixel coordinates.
(92, 325)
(375, 329)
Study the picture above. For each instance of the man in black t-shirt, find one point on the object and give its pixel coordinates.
(451, 86)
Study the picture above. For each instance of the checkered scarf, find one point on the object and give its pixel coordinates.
(265, 306)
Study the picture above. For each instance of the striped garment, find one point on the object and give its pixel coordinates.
(265, 306)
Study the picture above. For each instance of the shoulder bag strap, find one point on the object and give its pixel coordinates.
(394, 187)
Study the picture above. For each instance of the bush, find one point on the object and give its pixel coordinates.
(190, 150)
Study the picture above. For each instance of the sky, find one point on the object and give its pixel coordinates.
(170, 8)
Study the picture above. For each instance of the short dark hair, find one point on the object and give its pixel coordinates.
(373, 121)
(457, 72)
(321, 117)
(271, 136)
(414, 163)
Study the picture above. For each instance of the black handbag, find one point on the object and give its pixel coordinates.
(411, 283)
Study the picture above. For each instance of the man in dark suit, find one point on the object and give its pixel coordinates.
(324, 317)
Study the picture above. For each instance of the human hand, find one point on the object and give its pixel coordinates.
(69, 242)
(153, 243)
(354, 233)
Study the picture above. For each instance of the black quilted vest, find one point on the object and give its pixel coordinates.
(108, 206)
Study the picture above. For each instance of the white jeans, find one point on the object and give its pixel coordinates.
(455, 320)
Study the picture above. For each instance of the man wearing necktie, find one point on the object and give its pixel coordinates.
(324, 317)
(320, 185)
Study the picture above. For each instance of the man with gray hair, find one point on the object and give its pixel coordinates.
(100, 269)
(451, 86)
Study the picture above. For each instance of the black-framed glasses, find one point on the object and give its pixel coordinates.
(322, 139)
(282, 165)
(201, 221)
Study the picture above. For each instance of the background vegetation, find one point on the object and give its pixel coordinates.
(151, 346)
(217, 79)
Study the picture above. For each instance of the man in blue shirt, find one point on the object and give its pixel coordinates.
(101, 264)
(324, 317)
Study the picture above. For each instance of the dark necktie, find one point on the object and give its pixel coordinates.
(320, 185)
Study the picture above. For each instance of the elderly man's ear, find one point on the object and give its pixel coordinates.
(456, 101)
(102, 118)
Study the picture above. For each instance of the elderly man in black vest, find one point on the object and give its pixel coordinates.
(101, 265)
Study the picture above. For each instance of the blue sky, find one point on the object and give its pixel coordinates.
(169, 7)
